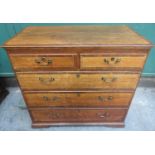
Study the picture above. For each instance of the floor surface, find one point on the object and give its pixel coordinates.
(141, 116)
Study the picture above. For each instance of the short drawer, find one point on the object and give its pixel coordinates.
(65, 81)
(29, 62)
(101, 61)
(78, 115)
(77, 99)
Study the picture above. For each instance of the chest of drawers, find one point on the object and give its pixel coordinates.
(78, 75)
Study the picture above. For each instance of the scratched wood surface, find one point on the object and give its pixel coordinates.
(77, 99)
(78, 74)
(77, 35)
(73, 81)
(78, 115)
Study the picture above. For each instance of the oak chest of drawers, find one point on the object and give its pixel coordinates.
(78, 75)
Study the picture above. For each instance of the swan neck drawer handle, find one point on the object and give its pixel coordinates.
(109, 80)
(103, 115)
(112, 61)
(46, 81)
(54, 99)
(46, 98)
(103, 99)
(43, 61)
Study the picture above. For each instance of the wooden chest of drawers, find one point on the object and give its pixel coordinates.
(81, 75)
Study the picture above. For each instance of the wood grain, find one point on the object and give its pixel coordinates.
(77, 81)
(77, 99)
(130, 50)
(78, 75)
(30, 62)
(102, 62)
(52, 36)
(78, 115)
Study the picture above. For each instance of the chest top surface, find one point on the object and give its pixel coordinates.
(57, 36)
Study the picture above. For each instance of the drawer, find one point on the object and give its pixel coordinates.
(78, 115)
(83, 81)
(101, 61)
(77, 99)
(43, 62)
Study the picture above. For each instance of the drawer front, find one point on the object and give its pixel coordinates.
(61, 81)
(43, 62)
(78, 115)
(82, 99)
(107, 62)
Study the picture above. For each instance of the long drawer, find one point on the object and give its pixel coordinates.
(30, 62)
(78, 115)
(77, 99)
(82, 81)
(113, 61)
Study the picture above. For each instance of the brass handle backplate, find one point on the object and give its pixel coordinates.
(108, 80)
(46, 81)
(112, 60)
(54, 99)
(43, 61)
(103, 99)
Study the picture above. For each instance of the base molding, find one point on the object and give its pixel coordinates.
(106, 124)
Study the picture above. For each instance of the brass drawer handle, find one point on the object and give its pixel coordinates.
(103, 115)
(46, 81)
(43, 61)
(45, 98)
(102, 99)
(112, 60)
(55, 98)
(108, 80)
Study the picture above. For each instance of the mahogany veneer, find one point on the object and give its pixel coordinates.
(78, 75)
